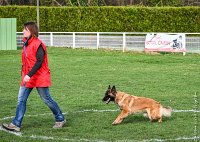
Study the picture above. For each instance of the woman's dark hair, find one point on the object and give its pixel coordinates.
(32, 27)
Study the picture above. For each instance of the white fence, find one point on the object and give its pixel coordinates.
(125, 41)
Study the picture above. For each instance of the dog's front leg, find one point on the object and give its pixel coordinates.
(119, 119)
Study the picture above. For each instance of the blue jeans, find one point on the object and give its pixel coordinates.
(44, 95)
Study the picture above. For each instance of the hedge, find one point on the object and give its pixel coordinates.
(107, 19)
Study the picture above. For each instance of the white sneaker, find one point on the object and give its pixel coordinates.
(59, 124)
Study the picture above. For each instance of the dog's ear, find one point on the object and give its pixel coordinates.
(109, 87)
(113, 89)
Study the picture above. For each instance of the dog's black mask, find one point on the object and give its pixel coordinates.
(110, 94)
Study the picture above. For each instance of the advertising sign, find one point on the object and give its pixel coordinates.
(165, 42)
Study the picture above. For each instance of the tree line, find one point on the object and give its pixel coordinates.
(102, 2)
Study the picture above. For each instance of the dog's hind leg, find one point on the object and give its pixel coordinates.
(160, 115)
(120, 118)
(155, 115)
(160, 119)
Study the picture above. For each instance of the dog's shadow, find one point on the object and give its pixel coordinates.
(135, 118)
(140, 118)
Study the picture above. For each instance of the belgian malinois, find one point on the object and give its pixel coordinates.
(132, 104)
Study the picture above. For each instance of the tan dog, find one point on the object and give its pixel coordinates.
(133, 104)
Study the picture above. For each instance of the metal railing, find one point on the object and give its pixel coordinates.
(125, 41)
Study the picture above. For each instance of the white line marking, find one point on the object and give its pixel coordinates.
(64, 139)
(42, 137)
(96, 110)
(10, 117)
(43, 114)
(15, 133)
(88, 110)
(161, 140)
(174, 110)
(89, 140)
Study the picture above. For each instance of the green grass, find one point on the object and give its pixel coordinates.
(80, 78)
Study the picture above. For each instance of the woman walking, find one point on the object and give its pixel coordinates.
(35, 74)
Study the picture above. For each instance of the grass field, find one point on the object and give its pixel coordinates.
(80, 78)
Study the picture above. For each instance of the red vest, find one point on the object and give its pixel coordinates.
(41, 78)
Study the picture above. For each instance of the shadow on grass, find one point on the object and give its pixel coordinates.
(140, 118)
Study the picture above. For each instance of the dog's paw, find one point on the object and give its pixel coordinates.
(115, 123)
(145, 115)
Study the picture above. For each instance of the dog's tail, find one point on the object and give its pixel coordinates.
(166, 111)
